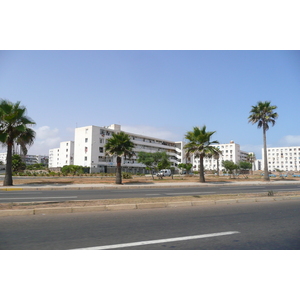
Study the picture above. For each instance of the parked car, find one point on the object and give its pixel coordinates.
(164, 172)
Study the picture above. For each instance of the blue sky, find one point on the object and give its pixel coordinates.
(156, 93)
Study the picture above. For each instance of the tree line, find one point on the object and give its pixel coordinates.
(15, 129)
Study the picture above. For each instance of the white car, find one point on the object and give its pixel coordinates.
(164, 172)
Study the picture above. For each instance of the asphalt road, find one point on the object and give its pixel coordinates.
(251, 226)
(67, 195)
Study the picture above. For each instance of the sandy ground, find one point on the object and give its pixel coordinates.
(138, 179)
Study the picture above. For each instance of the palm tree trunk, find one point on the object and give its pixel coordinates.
(201, 171)
(119, 171)
(266, 171)
(8, 169)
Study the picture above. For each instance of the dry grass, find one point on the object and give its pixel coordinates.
(137, 179)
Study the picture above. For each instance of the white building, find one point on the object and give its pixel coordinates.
(3, 158)
(229, 151)
(283, 158)
(89, 149)
(64, 155)
(28, 159)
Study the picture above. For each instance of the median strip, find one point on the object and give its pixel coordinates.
(73, 206)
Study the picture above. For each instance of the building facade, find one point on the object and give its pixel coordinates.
(64, 155)
(283, 158)
(230, 151)
(89, 149)
(28, 159)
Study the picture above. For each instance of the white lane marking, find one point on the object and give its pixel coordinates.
(184, 238)
(242, 188)
(33, 198)
(282, 190)
(152, 194)
(190, 193)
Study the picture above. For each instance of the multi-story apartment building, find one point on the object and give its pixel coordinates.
(28, 159)
(229, 151)
(89, 149)
(36, 159)
(64, 155)
(283, 158)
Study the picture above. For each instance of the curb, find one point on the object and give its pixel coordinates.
(116, 207)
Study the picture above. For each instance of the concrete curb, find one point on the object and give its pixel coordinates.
(128, 206)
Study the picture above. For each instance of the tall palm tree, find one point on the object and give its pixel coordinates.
(120, 145)
(14, 129)
(263, 114)
(251, 159)
(200, 145)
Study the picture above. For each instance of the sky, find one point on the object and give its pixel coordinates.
(153, 68)
(159, 93)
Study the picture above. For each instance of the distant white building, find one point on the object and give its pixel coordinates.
(28, 159)
(64, 155)
(283, 158)
(89, 149)
(230, 151)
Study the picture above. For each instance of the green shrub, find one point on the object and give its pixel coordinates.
(126, 175)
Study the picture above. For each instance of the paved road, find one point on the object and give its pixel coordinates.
(144, 192)
(274, 225)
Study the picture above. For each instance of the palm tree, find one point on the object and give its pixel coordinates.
(120, 145)
(14, 129)
(200, 145)
(263, 114)
(251, 159)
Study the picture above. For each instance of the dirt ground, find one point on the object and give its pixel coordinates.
(138, 179)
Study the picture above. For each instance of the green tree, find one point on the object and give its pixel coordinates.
(244, 166)
(263, 114)
(120, 145)
(187, 167)
(154, 160)
(164, 162)
(200, 145)
(147, 159)
(17, 164)
(72, 170)
(14, 129)
(229, 166)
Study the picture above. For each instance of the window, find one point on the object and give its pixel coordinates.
(86, 140)
(85, 158)
(101, 149)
